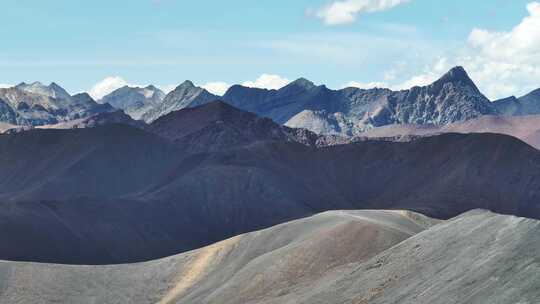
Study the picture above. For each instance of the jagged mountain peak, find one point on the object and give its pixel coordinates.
(183, 96)
(23, 85)
(52, 90)
(83, 96)
(55, 85)
(152, 87)
(301, 83)
(186, 84)
(457, 75)
(185, 88)
(59, 92)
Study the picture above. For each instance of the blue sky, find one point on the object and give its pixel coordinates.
(217, 43)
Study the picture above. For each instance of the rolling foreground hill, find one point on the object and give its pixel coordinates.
(336, 257)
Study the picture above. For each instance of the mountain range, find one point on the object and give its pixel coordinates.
(36, 104)
(454, 97)
(301, 104)
(93, 195)
(297, 195)
(350, 111)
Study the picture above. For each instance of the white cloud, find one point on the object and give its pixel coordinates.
(429, 74)
(346, 11)
(507, 62)
(364, 85)
(106, 86)
(112, 83)
(218, 87)
(267, 81)
(3, 85)
(521, 44)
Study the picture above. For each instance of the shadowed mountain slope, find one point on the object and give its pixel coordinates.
(117, 194)
(217, 126)
(99, 162)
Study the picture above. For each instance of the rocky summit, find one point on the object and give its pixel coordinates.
(185, 95)
(36, 104)
(135, 101)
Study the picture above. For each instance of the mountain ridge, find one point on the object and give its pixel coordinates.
(36, 104)
(528, 104)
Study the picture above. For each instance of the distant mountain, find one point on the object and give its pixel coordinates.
(217, 126)
(525, 105)
(347, 112)
(35, 104)
(93, 195)
(53, 90)
(135, 101)
(184, 96)
(301, 104)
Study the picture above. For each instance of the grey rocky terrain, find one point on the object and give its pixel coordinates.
(333, 257)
